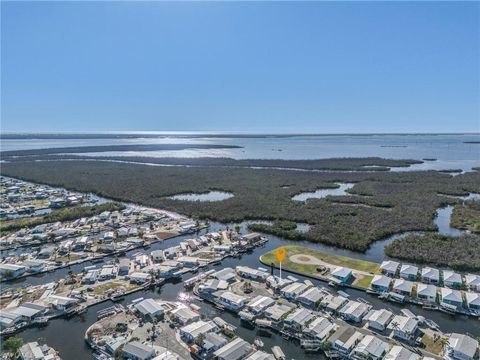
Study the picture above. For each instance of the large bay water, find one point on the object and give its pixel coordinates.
(449, 151)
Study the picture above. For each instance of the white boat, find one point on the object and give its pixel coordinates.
(258, 343)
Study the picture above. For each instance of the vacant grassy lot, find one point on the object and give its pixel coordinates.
(411, 197)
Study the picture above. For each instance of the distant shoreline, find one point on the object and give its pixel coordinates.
(197, 134)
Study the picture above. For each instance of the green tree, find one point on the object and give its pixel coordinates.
(12, 345)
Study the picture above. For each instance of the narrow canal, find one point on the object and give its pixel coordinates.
(67, 336)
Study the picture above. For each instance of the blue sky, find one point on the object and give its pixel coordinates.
(255, 66)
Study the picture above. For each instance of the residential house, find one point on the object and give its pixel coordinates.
(345, 339)
(185, 315)
(473, 300)
(354, 311)
(380, 283)
(451, 297)
(236, 349)
(320, 328)
(293, 290)
(472, 281)
(430, 275)
(370, 347)
(193, 330)
(137, 351)
(150, 309)
(404, 327)
(230, 300)
(462, 347)
(389, 268)
(379, 319)
(276, 312)
(311, 297)
(400, 353)
(452, 279)
(409, 272)
(402, 287)
(427, 292)
(259, 303)
(253, 274)
(11, 271)
(299, 318)
(342, 274)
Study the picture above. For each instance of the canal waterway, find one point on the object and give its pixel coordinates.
(68, 335)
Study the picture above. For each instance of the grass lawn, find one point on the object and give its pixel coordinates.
(103, 288)
(363, 281)
(435, 347)
(355, 264)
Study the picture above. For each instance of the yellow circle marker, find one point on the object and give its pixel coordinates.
(280, 253)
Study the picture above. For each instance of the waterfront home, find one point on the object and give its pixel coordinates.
(452, 279)
(400, 353)
(472, 281)
(253, 274)
(379, 319)
(184, 315)
(157, 255)
(409, 272)
(149, 309)
(252, 238)
(402, 287)
(311, 297)
(193, 330)
(333, 302)
(9, 319)
(260, 355)
(34, 351)
(139, 277)
(108, 237)
(235, 350)
(473, 300)
(226, 274)
(124, 266)
(299, 318)
(354, 311)
(277, 311)
(461, 347)
(293, 290)
(46, 252)
(212, 342)
(389, 268)
(188, 261)
(320, 328)
(404, 328)
(451, 297)
(62, 303)
(11, 271)
(380, 283)
(91, 276)
(430, 275)
(276, 283)
(107, 272)
(230, 300)
(29, 311)
(345, 339)
(342, 274)
(212, 285)
(427, 292)
(259, 303)
(34, 266)
(137, 351)
(370, 347)
(170, 253)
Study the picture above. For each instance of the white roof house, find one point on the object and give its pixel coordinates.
(371, 347)
(473, 281)
(409, 272)
(389, 267)
(293, 290)
(333, 302)
(400, 353)
(461, 346)
(354, 310)
(451, 297)
(430, 275)
(230, 300)
(260, 355)
(379, 319)
(138, 351)
(403, 327)
(380, 283)
(259, 303)
(234, 350)
(402, 286)
(185, 315)
(473, 300)
(342, 273)
(320, 328)
(427, 291)
(149, 308)
(193, 330)
(299, 317)
(277, 311)
(451, 279)
(311, 296)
